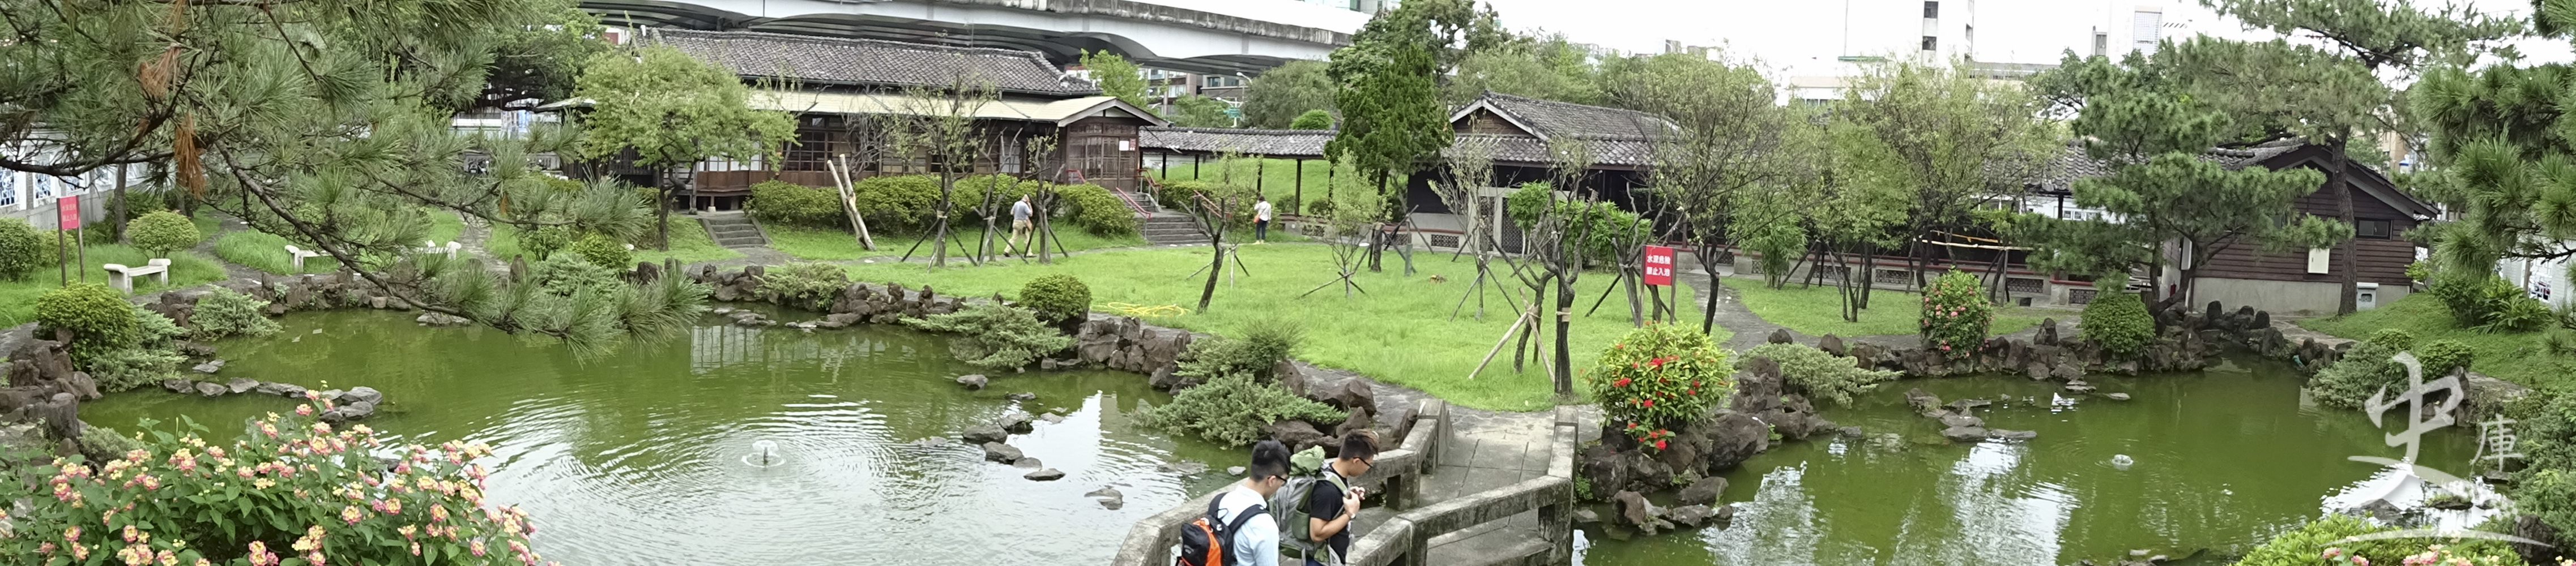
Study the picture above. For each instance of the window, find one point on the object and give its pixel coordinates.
(2373, 229)
(2101, 44)
(2146, 28)
(1444, 241)
(2081, 296)
(1931, 43)
(1931, 9)
(1897, 277)
(2025, 285)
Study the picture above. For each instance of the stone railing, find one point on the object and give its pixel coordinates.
(1150, 542)
(1407, 538)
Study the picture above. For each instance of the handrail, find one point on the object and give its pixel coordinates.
(1150, 541)
(1406, 538)
(1130, 199)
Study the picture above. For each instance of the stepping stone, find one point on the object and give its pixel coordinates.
(1049, 474)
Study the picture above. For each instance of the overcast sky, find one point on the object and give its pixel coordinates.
(1796, 36)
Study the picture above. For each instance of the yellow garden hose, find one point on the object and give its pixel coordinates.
(1142, 311)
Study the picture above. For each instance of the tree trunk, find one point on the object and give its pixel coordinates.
(939, 235)
(116, 209)
(1708, 308)
(2336, 178)
(1520, 352)
(662, 210)
(1216, 239)
(1869, 263)
(1564, 364)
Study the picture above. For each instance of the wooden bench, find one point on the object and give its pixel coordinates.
(122, 277)
(299, 254)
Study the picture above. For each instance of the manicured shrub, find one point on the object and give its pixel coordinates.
(1822, 375)
(224, 312)
(565, 275)
(2312, 544)
(603, 250)
(98, 317)
(1525, 204)
(2439, 356)
(781, 202)
(1600, 228)
(897, 202)
(284, 492)
(1312, 120)
(806, 285)
(996, 336)
(2362, 371)
(969, 193)
(1056, 297)
(160, 233)
(1660, 377)
(2118, 322)
(1232, 409)
(1097, 211)
(1260, 349)
(21, 250)
(2474, 299)
(542, 243)
(1955, 314)
(2393, 339)
(153, 357)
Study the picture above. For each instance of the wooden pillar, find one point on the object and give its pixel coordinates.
(1194, 167)
(1298, 191)
(1259, 169)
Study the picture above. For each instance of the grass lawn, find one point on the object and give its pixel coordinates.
(1399, 332)
(267, 252)
(689, 244)
(1279, 177)
(444, 226)
(836, 244)
(18, 298)
(2518, 358)
(1817, 310)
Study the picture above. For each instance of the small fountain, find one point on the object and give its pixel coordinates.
(764, 453)
(2122, 461)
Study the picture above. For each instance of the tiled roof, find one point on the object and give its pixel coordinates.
(1510, 149)
(2073, 163)
(1529, 150)
(1554, 119)
(873, 62)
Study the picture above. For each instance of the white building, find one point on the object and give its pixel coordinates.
(2003, 39)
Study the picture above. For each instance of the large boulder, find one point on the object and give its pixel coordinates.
(241, 384)
(1734, 438)
(1925, 402)
(1704, 491)
(2047, 332)
(1964, 433)
(212, 389)
(1646, 472)
(1015, 422)
(2531, 527)
(1602, 467)
(363, 394)
(1349, 395)
(1632, 509)
(984, 433)
(1832, 344)
(1780, 336)
(973, 381)
(1691, 515)
(281, 389)
(1003, 453)
(1296, 434)
(1757, 386)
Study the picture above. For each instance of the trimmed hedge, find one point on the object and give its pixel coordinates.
(1056, 297)
(162, 232)
(781, 202)
(1097, 211)
(98, 317)
(2118, 322)
(22, 250)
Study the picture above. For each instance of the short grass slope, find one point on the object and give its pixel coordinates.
(18, 298)
(2515, 357)
(837, 244)
(1817, 310)
(1399, 331)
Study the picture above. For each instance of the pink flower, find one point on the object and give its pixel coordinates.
(304, 410)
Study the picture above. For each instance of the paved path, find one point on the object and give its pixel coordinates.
(1485, 450)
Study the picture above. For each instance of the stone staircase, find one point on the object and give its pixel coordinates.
(1170, 228)
(733, 229)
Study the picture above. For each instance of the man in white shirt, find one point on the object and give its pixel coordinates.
(1020, 226)
(1261, 221)
(1257, 544)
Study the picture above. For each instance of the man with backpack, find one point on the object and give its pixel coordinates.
(1319, 531)
(1238, 529)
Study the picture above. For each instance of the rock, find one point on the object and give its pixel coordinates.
(1014, 422)
(931, 441)
(2117, 396)
(282, 389)
(440, 319)
(1852, 431)
(1052, 418)
(1182, 467)
(209, 367)
(1029, 463)
(1289, 376)
(1780, 336)
(1109, 497)
(2047, 332)
(1049, 474)
(1003, 453)
(1832, 344)
(1633, 510)
(179, 385)
(211, 389)
(1691, 515)
(1964, 433)
(332, 394)
(1168, 378)
(974, 381)
(1603, 467)
(363, 394)
(1924, 402)
(1735, 437)
(1349, 395)
(1236, 471)
(1586, 516)
(1358, 421)
(2079, 389)
(241, 384)
(1963, 405)
(1758, 386)
(2531, 527)
(1021, 396)
(984, 433)
(2001, 434)
(1298, 435)
(720, 311)
(1962, 421)
(1703, 492)
(2451, 504)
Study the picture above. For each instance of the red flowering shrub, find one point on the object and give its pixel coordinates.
(285, 493)
(1659, 377)
(1955, 314)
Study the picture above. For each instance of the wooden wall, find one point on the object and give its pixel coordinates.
(2380, 260)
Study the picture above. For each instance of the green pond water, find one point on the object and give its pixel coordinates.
(640, 456)
(2220, 461)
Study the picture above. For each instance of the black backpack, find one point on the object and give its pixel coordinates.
(1204, 540)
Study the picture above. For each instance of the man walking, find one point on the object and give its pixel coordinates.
(1333, 503)
(1257, 542)
(1261, 221)
(1020, 226)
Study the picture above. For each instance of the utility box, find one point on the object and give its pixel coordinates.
(2365, 296)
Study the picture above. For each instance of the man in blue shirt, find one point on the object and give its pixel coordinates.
(1257, 544)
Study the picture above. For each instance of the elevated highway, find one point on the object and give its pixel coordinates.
(1199, 36)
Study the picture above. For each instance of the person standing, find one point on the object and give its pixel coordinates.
(1333, 503)
(1261, 221)
(1020, 225)
(1256, 543)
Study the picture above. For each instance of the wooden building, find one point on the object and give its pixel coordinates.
(2311, 281)
(843, 91)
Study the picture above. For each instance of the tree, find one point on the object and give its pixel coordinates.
(1955, 140)
(542, 63)
(1196, 111)
(162, 232)
(1391, 112)
(1279, 96)
(1117, 77)
(1731, 156)
(336, 133)
(1313, 120)
(672, 110)
(937, 125)
(1550, 68)
(2283, 90)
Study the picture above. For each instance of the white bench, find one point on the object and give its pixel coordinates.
(122, 277)
(432, 247)
(299, 254)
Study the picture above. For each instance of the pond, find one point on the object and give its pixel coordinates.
(639, 456)
(2219, 461)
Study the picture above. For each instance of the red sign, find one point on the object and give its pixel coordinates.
(1659, 265)
(67, 209)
